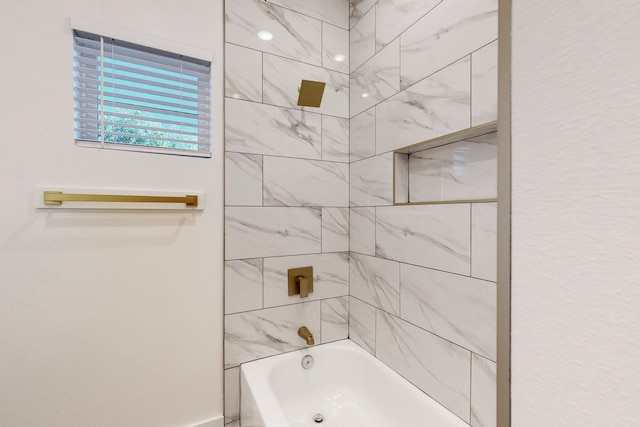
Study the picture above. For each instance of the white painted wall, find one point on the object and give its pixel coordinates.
(106, 318)
(576, 198)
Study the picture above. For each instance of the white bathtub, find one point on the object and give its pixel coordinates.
(347, 385)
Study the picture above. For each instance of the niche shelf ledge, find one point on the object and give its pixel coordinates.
(462, 172)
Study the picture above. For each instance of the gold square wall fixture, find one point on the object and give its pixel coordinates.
(310, 93)
(300, 281)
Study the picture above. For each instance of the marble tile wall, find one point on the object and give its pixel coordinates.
(286, 179)
(422, 278)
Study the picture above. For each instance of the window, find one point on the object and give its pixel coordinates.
(132, 97)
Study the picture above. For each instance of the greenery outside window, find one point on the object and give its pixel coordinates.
(137, 98)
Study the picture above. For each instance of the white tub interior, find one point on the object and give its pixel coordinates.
(346, 384)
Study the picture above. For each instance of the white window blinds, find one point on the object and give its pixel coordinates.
(134, 97)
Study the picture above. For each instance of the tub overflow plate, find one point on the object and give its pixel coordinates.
(307, 361)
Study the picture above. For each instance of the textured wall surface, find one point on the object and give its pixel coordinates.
(107, 317)
(576, 197)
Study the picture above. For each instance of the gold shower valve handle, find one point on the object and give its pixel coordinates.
(300, 281)
(303, 285)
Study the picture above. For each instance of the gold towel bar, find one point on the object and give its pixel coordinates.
(57, 197)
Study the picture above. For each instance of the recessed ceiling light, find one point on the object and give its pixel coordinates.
(365, 95)
(265, 35)
(340, 57)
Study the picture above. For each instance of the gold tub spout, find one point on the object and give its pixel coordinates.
(306, 335)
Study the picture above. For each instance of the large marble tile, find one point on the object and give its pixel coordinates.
(256, 334)
(335, 12)
(358, 8)
(243, 179)
(362, 135)
(335, 229)
(362, 230)
(362, 40)
(376, 281)
(242, 285)
(484, 235)
(449, 32)
(362, 324)
(436, 106)
(457, 308)
(335, 139)
(395, 16)
(231, 394)
(335, 48)
(243, 73)
(372, 181)
(441, 369)
(254, 232)
(484, 84)
(299, 182)
(463, 170)
(483, 392)
(235, 423)
(335, 319)
(330, 277)
(265, 129)
(295, 36)
(376, 80)
(281, 78)
(435, 236)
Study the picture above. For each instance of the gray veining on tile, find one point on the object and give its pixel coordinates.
(242, 285)
(335, 139)
(376, 281)
(335, 12)
(484, 84)
(358, 8)
(265, 129)
(335, 319)
(362, 230)
(335, 229)
(330, 277)
(256, 334)
(449, 32)
(231, 394)
(281, 78)
(295, 36)
(395, 16)
(362, 324)
(243, 73)
(435, 236)
(438, 105)
(376, 80)
(243, 179)
(483, 392)
(363, 135)
(235, 423)
(458, 308)
(299, 182)
(372, 181)
(484, 250)
(438, 367)
(335, 48)
(463, 170)
(362, 41)
(253, 232)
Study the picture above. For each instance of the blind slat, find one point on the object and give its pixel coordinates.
(140, 96)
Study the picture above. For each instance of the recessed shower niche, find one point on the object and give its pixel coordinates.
(460, 167)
